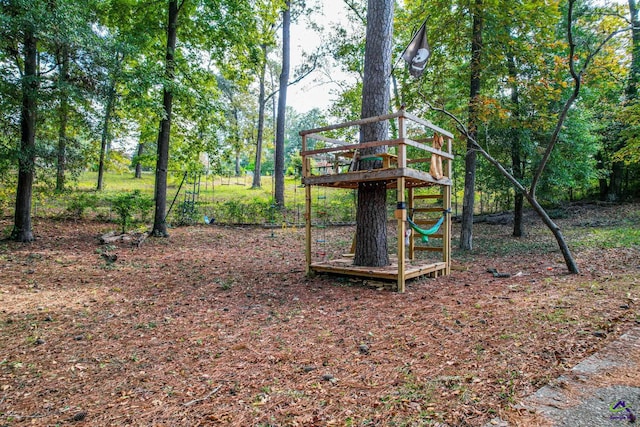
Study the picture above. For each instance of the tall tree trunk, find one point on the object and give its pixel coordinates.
(26, 168)
(468, 201)
(162, 162)
(516, 149)
(236, 141)
(138, 174)
(371, 215)
(634, 75)
(104, 142)
(257, 172)
(63, 113)
(282, 106)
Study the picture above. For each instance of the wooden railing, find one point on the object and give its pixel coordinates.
(336, 156)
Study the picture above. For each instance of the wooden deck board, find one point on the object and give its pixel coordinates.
(344, 266)
(414, 178)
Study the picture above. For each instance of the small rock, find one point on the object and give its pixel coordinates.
(328, 377)
(39, 341)
(80, 416)
(599, 334)
(625, 306)
(48, 319)
(363, 349)
(308, 368)
(78, 338)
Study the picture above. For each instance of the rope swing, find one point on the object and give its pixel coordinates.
(425, 233)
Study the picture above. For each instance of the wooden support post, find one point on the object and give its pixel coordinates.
(306, 172)
(446, 203)
(401, 216)
(446, 229)
(402, 206)
(410, 206)
(307, 217)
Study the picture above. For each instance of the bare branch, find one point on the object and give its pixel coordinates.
(352, 6)
(529, 195)
(194, 401)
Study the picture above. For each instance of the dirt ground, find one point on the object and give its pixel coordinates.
(219, 326)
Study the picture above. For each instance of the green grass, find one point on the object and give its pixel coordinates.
(620, 236)
(227, 199)
(117, 182)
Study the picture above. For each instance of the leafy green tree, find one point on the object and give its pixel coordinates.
(579, 57)
(212, 26)
(26, 27)
(162, 160)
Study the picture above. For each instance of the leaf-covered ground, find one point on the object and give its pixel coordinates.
(220, 326)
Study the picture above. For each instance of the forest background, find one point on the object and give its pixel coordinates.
(98, 75)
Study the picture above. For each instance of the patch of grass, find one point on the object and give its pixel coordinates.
(623, 236)
(557, 316)
(147, 325)
(227, 200)
(508, 386)
(114, 182)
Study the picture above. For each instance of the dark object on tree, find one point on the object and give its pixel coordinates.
(418, 52)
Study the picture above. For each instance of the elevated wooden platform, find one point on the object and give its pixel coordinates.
(412, 270)
(401, 164)
(413, 178)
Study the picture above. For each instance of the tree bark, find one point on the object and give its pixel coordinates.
(22, 231)
(138, 174)
(468, 201)
(282, 106)
(63, 114)
(104, 142)
(516, 150)
(634, 75)
(236, 144)
(162, 162)
(257, 170)
(371, 216)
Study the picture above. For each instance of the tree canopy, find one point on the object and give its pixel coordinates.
(101, 71)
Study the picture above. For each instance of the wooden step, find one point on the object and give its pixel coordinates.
(427, 249)
(434, 235)
(427, 196)
(434, 209)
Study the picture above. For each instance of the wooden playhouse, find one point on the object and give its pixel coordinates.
(419, 157)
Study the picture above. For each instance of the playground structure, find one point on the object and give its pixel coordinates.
(408, 165)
